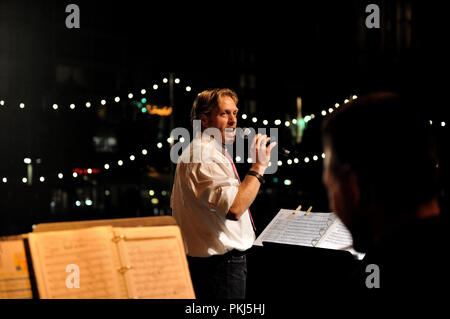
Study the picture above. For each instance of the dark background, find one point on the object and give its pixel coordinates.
(270, 53)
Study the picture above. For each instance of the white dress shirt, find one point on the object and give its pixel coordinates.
(202, 195)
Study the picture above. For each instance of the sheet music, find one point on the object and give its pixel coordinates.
(338, 237)
(158, 263)
(91, 249)
(298, 229)
(14, 276)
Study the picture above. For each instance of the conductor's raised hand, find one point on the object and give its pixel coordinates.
(260, 152)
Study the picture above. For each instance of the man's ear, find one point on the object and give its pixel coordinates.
(205, 120)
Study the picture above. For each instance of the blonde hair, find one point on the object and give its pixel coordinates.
(208, 100)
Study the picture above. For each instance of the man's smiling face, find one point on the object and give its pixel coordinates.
(224, 118)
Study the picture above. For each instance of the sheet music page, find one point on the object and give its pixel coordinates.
(159, 268)
(14, 276)
(91, 249)
(296, 229)
(338, 237)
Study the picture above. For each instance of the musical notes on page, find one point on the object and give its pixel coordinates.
(90, 249)
(338, 237)
(158, 263)
(298, 229)
(14, 275)
(323, 230)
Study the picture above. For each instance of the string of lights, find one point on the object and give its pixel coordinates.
(144, 152)
(75, 173)
(295, 121)
(102, 101)
(313, 116)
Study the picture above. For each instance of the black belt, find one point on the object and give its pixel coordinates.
(235, 253)
(231, 253)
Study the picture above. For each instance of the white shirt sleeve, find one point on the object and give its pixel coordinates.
(213, 187)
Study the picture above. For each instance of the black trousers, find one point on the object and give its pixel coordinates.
(219, 276)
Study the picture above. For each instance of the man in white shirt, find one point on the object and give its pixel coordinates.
(210, 203)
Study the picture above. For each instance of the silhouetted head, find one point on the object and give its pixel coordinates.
(380, 164)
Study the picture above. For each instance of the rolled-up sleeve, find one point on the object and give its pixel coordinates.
(212, 186)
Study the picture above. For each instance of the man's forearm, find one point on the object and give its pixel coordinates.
(245, 196)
